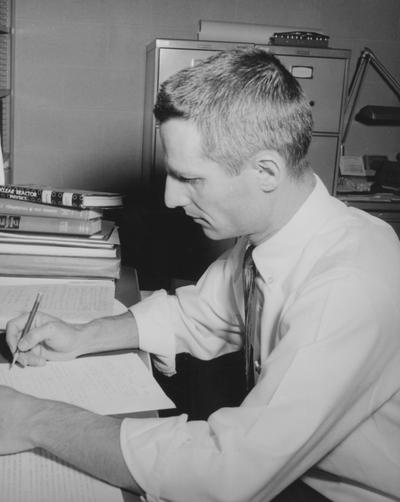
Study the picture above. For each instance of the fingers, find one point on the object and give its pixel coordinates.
(31, 357)
(39, 355)
(32, 351)
(30, 340)
(30, 348)
(34, 357)
(13, 331)
(34, 337)
(15, 327)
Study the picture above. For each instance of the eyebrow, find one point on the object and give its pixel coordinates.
(176, 174)
(172, 172)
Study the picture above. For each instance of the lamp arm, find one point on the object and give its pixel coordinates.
(367, 57)
(384, 73)
(354, 90)
(358, 77)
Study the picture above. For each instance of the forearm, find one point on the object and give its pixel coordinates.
(52, 339)
(109, 333)
(87, 441)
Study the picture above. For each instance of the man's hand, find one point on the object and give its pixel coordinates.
(49, 339)
(16, 411)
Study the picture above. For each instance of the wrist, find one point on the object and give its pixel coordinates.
(53, 424)
(83, 439)
(39, 418)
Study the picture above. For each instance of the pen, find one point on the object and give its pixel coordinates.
(27, 326)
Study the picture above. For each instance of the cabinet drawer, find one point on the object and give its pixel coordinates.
(322, 79)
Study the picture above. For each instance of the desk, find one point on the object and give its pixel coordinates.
(128, 293)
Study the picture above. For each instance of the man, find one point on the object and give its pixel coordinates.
(325, 313)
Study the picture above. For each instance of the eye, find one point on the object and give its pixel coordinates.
(183, 179)
(190, 181)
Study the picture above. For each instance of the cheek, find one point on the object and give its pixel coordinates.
(222, 201)
(242, 211)
(231, 214)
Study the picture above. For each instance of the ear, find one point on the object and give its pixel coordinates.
(269, 166)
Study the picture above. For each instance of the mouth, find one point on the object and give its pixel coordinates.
(197, 219)
(193, 216)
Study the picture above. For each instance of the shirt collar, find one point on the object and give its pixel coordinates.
(275, 253)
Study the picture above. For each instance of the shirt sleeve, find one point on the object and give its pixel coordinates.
(204, 320)
(318, 384)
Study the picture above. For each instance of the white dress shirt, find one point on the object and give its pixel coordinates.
(326, 405)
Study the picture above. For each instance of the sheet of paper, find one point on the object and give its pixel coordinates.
(105, 384)
(351, 165)
(38, 477)
(74, 301)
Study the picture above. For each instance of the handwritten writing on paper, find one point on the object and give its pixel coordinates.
(106, 384)
(70, 301)
(37, 476)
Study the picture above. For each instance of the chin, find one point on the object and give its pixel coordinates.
(215, 235)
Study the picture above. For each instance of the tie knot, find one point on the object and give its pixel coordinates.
(248, 262)
(249, 271)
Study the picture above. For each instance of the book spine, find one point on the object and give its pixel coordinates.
(21, 193)
(20, 208)
(47, 250)
(59, 266)
(48, 225)
(42, 195)
(61, 198)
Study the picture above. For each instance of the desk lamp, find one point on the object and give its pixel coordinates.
(370, 115)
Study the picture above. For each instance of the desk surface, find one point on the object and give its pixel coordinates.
(127, 292)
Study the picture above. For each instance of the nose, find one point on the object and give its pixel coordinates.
(175, 193)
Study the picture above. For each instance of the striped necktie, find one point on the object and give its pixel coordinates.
(249, 276)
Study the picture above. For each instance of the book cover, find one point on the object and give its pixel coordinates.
(67, 197)
(22, 207)
(107, 237)
(42, 224)
(59, 266)
(54, 250)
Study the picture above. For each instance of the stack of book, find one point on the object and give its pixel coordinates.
(58, 241)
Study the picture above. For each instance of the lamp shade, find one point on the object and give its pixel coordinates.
(379, 115)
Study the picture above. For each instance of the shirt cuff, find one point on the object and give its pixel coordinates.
(153, 319)
(141, 451)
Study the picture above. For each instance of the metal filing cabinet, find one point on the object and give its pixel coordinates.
(321, 72)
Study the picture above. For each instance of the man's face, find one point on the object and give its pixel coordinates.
(220, 202)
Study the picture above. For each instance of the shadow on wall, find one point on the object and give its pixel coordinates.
(162, 244)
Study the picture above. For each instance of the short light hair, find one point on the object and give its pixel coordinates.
(242, 102)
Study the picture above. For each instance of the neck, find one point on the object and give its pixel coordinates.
(283, 204)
